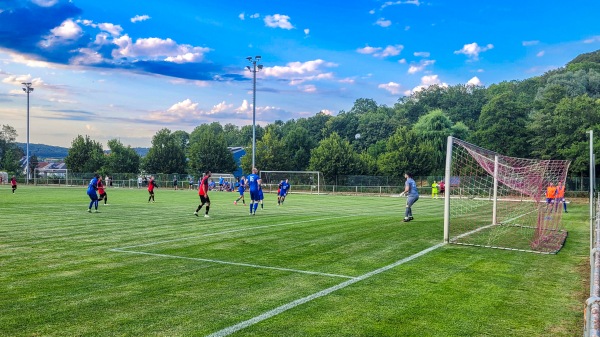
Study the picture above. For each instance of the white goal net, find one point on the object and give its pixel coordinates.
(300, 181)
(51, 177)
(498, 201)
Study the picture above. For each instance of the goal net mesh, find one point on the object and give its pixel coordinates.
(300, 181)
(509, 211)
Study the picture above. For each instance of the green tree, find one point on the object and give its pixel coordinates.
(334, 157)
(10, 153)
(208, 151)
(85, 155)
(166, 154)
(406, 153)
(502, 126)
(121, 159)
(298, 144)
(270, 154)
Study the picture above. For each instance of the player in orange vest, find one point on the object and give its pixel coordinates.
(550, 194)
(560, 196)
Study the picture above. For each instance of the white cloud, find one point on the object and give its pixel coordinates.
(114, 30)
(68, 31)
(306, 31)
(392, 87)
(347, 80)
(394, 3)
(592, 39)
(155, 48)
(541, 53)
(298, 68)
(472, 50)
(140, 18)
(383, 22)
(86, 56)
(45, 3)
(310, 88)
(372, 11)
(417, 67)
(242, 16)
(255, 16)
(245, 107)
(221, 107)
(421, 54)
(391, 50)
(326, 112)
(475, 82)
(18, 79)
(426, 81)
(278, 21)
(530, 43)
(402, 61)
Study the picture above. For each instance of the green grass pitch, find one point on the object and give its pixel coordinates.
(320, 265)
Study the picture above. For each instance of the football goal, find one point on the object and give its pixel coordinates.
(51, 177)
(496, 201)
(300, 181)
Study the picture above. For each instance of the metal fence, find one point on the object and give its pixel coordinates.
(592, 304)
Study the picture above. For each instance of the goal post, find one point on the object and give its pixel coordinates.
(51, 177)
(497, 201)
(305, 181)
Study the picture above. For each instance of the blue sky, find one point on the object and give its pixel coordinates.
(125, 69)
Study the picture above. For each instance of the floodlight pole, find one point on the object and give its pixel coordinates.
(254, 70)
(28, 89)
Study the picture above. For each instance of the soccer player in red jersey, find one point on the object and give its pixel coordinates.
(102, 192)
(151, 186)
(13, 183)
(203, 193)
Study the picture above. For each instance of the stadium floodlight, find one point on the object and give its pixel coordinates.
(254, 70)
(28, 89)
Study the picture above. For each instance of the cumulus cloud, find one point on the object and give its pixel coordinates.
(18, 79)
(475, 82)
(140, 18)
(383, 22)
(313, 68)
(242, 16)
(391, 50)
(472, 50)
(392, 87)
(426, 81)
(417, 67)
(67, 32)
(421, 54)
(154, 48)
(306, 31)
(278, 21)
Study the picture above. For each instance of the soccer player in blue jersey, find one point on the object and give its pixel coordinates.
(91, 191)
(253, 181)
(261, 196)
(410, 190)
(284, 187)
(241, 189)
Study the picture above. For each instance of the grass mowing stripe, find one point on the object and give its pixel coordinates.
(242, 325)
(233, 263)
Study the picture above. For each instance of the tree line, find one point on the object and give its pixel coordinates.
(544, 117)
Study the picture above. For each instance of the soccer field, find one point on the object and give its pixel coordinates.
(319, 265)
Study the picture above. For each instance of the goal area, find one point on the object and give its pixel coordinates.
(496, 201)
(300, 181)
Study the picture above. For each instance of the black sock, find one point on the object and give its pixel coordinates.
(207, 208)
(199, 207)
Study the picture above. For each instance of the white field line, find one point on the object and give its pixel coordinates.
(229, 231)
(234, 263)
(242, 325)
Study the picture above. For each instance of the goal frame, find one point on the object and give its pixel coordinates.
(318, 173)
(44, 174)
(493, 197)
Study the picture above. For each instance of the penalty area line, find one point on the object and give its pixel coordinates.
(271, 313)
(232, 263)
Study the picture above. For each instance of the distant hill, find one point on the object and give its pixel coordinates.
(43, 151)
